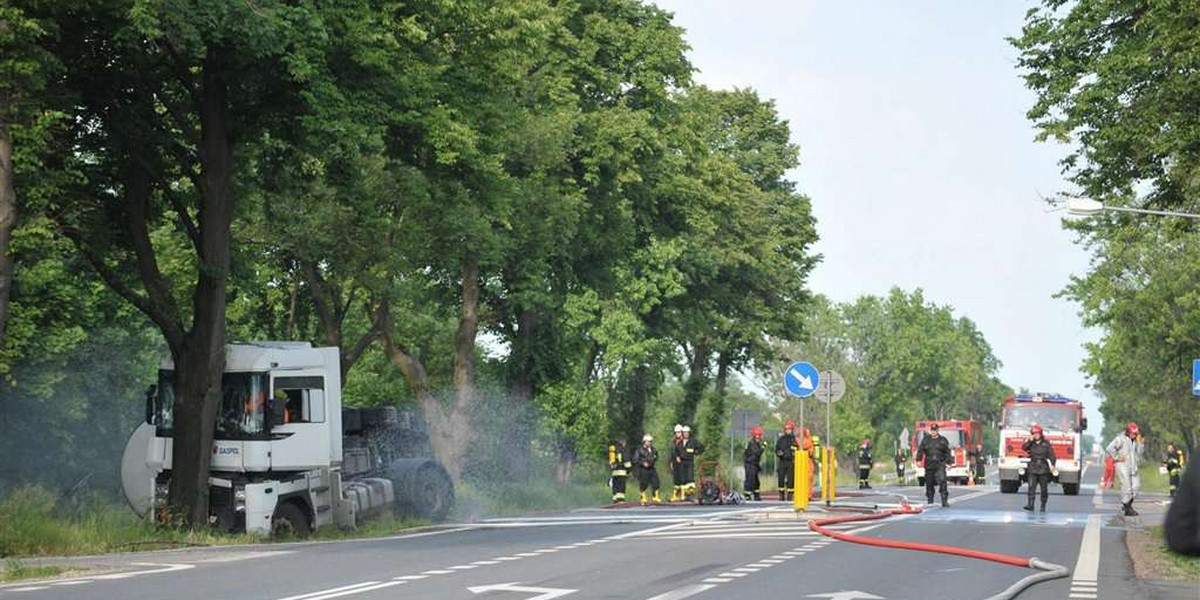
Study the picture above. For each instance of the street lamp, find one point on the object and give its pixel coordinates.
(1087, 207)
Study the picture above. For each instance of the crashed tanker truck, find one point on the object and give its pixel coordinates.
(1062, 424)
(287, 457)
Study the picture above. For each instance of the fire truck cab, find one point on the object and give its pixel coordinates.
(962, 435)
(1062, 423)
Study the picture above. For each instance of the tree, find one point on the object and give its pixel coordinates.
(1116, 80)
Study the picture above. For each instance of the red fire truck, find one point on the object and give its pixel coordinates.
(962, 435)
(1062, 423)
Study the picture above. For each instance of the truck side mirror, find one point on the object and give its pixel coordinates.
(276, 412)
(151, 403)
(1083, 424)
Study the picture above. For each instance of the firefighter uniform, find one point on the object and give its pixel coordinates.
(864, 466)
(752, 461)
(978, 461)
(1174, 464)
(1041, 461)
(619, 465)
(935, 451)
(687, 452)
(785, 471)
(644, 460)
(677, 464)
(901, 458)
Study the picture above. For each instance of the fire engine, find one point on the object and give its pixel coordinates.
(1062, 424)
(962, 435)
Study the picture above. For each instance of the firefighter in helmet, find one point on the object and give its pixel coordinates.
(935, 451)
(1042, 465)
(619, 464)
(645, 459)
(864, 465)
(1126, 450)
(677, 464)
(686, 456)
(752, 461)
(785, 452)
(901, 458)
(1173, 462)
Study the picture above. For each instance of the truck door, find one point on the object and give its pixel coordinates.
(302, 441)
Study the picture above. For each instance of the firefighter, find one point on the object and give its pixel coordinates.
(688, 450)
(1042, 465)
(901, 459)
(619, 464)
(785, 451)
(978, 464)
(677, 464)
(864, 465)
(1173, 461)
(1125, 450)
(645, 458)
(752, 461)
(935, 451)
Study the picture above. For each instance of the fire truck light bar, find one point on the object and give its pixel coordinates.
(1056, 398)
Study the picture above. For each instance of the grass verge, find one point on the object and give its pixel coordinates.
(14, 570)
(1152, 560)
(479, 501)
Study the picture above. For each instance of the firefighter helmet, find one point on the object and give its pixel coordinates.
(1035, 429)
(678, 428)
(756, 430)
(866, 442)
(789, 425)
(687, 429)
(1131, 428)
(647, 438)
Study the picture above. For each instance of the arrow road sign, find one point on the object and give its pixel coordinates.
(844, 595)
(801, 379)
(542, 593)
(832, 388)
(1196, 377)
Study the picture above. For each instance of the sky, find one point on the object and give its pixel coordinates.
(921, 165)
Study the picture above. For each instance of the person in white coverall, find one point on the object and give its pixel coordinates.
(1125, 450)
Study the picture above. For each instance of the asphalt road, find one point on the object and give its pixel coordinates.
(660, 553)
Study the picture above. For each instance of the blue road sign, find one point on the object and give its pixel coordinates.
(1196, 377)
(801, 379)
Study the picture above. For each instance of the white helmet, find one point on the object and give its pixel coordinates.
(678, 428)
(687, 429)
(647, 438)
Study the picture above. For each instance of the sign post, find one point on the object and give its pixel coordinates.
(833, 387)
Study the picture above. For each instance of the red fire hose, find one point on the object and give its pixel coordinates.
(1048, 570)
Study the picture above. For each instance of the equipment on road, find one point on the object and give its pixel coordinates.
(287, 457)
(961, 435)
(1063, 423)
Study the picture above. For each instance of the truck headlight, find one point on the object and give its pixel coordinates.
(239, 500)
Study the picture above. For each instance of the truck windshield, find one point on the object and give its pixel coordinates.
(1056, 418)
(241, 413)
(954, 436)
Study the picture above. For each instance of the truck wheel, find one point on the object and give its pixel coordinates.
(434, 494)
(289, 520)
(1008, 486)
(1070, 489)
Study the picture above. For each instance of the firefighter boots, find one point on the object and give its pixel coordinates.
(642, 498)
(657, 498)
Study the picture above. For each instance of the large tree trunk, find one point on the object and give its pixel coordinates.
(200, 364)
(627, 406)
(695, 385)
(522, 389)
(464, 366)
(8, 222)
(442, 420)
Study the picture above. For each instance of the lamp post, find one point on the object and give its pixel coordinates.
(1087, 207)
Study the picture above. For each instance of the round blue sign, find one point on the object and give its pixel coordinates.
(801, 379)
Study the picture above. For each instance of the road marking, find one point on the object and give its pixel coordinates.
(1088, 565)
(484, 563)
(358, 590)
(717, 580)
(437, 572)
(1086, 596)
(526, 554)
(32, 588)
(463, 567)
(567, 547)
(746, 570)
(1098, 497)
(772, 561)
(684, 592)
(507, 558)
(313, 595)
(545, 551)
(732, 574)
(79, 582)
(542, 593)
(410, 577)
(760, 565)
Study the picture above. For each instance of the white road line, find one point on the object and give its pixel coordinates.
(437, 572)
(1098, 497)
(566, 547)
(684, 592)
(545, 551)
(526, 554)
(643, 532)
(726, 536)
(311, 595)
(359, 590)
(507, 558)
(410, 577)
(484, 563)
(1085, 596)
(32, 588)
(79, 582)
(732, 574)
(1088, 565)
(760, 565)
(717, 580)
(772, 561)
(746, 570)
(463, 567)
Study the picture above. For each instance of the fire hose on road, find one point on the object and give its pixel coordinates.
(1047, 571)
